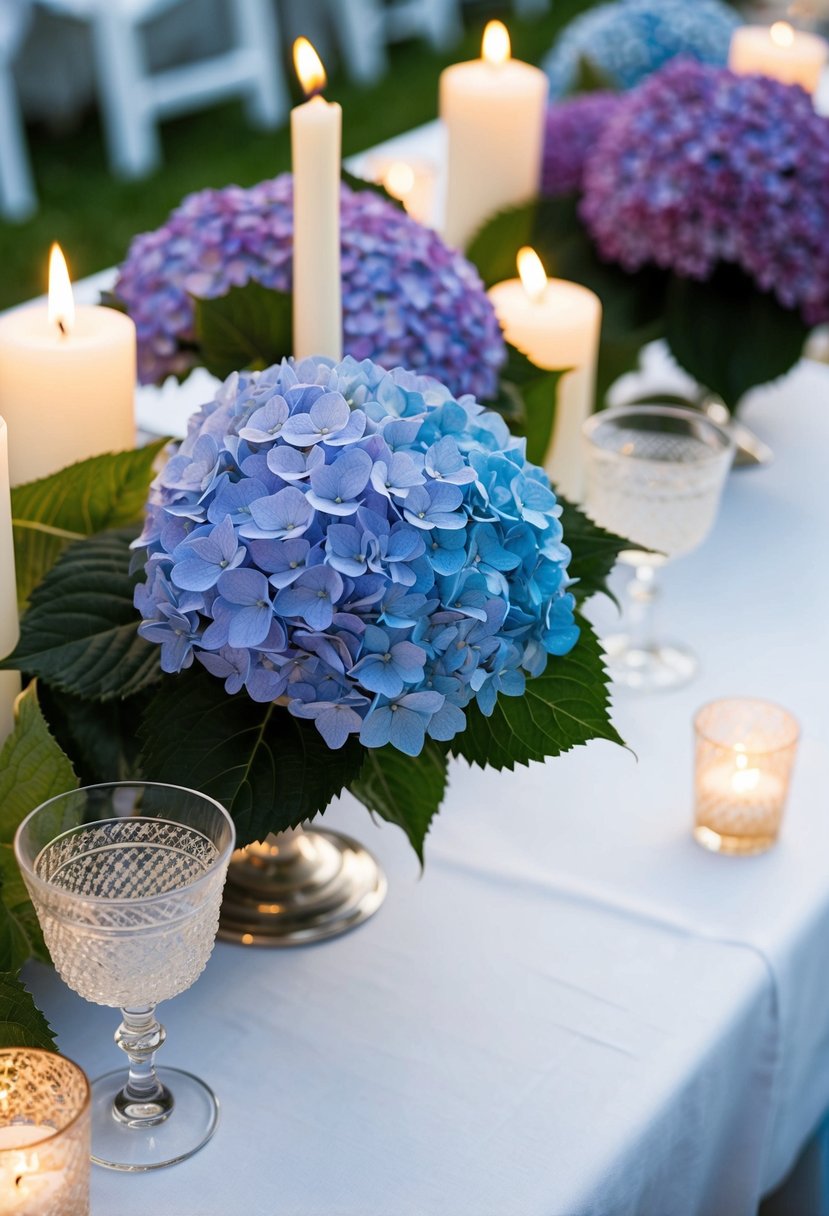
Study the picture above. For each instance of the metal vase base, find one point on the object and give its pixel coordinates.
(299, 887)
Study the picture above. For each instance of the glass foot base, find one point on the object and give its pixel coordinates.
(735, 846)
(318, 886)
(655, 668)
(135, 1149)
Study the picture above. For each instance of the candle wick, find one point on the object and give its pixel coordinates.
(62, 328)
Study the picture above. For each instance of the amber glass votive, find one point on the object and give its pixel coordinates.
(44, 1135)
(745, 750)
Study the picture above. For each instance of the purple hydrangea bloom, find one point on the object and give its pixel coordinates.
(407, 298)
(701, 166)
(416, 566)
(570, 134)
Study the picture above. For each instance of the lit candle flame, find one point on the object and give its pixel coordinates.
(496, 48)
(61, 308)
(399, 179)
(781, 34)
(532, 273)
(745, 780)
(309, 67)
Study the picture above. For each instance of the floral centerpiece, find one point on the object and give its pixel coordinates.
(696, 197)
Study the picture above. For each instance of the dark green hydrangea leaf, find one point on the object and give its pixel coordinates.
(270, 769)
(21, 1022)
(406, 790)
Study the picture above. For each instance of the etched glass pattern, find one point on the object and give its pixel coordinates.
(146, 933)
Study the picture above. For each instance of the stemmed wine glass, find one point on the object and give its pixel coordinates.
(655, 474)
(126, 880)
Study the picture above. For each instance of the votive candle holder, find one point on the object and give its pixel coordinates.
(745, 750)
(44, 1134)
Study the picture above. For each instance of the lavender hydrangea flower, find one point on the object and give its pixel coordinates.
(701, 166)
(626, 41)
(418, 566)
(407, 298)
(571, 130)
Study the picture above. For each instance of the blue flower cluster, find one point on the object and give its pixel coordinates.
(360, 544)
(625, 41)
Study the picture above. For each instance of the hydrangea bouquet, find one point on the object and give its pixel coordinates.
(360, 544)
(694, 200)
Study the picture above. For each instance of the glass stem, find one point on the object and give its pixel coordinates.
(143, 1101)
(642, 594)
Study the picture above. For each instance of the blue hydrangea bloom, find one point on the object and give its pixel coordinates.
(361, 544)
(627, 40)
(407, 298)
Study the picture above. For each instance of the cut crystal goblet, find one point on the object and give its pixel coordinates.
(126, 880)
(655, 474)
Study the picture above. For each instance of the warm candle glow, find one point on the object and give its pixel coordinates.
(496, 48)
(61, 310)
(782, 34)
(309, 67)
(399, 179)
(532, 274)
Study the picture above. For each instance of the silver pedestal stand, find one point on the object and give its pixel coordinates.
(300, 886)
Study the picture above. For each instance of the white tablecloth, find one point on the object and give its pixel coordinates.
(575, 1011)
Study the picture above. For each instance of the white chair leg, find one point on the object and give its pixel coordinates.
(361, 37)
(17, 194)
(131, 133)
(258, 33)
(442, 22)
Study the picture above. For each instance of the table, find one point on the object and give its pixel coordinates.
(575, 1011)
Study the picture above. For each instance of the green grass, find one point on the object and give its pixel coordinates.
(94, 216)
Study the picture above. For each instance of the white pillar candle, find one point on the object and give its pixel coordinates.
(25, 1189)
(493, 109)
(556, 325)
(791, 56)
(316, 134)
(67, 381)
(9, 625)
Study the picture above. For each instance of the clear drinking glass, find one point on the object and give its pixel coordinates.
(655, 474)
(126, 880)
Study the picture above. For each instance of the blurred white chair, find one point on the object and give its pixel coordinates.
(17, 192)
(133, 99)
(366, 27)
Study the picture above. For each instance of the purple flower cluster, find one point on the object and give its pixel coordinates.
(571, 131)
(361, 544)
(700, 166)
(408, 300)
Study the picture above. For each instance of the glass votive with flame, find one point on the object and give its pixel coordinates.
(44, 1134)
(745, 750)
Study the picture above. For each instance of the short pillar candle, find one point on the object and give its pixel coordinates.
(790, 56)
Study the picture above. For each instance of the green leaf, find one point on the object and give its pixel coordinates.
(566, 706)
(100, 737)
(361, 184)
(270, 769)
(250, 327)
(633, 306)
(406, 790)
(104, 492)
(81, 630)
(594, 551)
(729, 336)
(32, 769)
(21, 1022)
